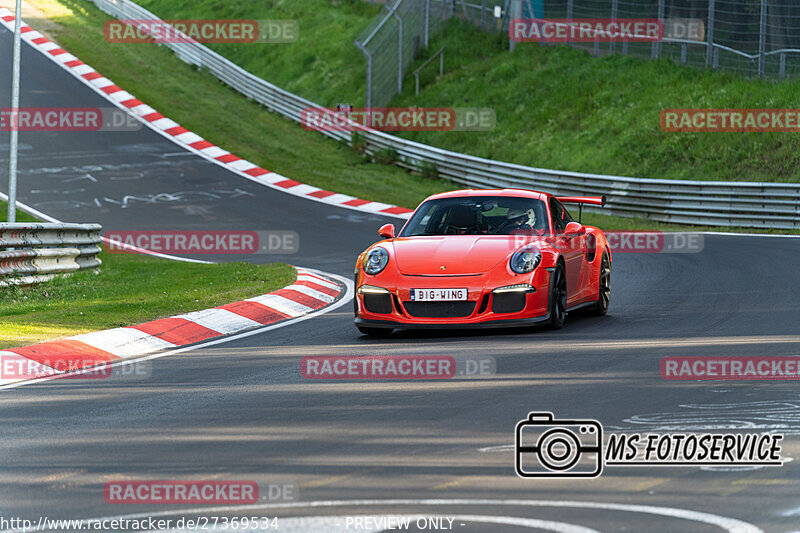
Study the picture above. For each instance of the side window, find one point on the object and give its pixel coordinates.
(565, 214)
(560, 216)
(557, 216)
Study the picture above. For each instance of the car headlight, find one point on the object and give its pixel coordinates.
(375, 261)
(525, 260)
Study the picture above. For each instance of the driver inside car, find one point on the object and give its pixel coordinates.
(522, 221)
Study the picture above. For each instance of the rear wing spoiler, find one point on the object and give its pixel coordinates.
(588, 200)
(581, 201)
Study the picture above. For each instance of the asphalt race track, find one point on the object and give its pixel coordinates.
(241, 410)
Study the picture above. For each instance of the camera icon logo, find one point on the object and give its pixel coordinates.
(549, 448)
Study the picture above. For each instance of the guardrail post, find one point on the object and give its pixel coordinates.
(783, 66)
(762, 39)
(656, 49)
(710, 59)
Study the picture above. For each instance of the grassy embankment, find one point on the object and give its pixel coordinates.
(127, 289)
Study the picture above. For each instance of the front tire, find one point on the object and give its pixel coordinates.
(604, 285)
(558, 298)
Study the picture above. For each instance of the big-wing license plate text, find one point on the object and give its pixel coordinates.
(438, 295)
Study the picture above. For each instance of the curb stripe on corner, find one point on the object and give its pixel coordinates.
(310, 293)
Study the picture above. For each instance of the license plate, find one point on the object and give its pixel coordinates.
(438, 295)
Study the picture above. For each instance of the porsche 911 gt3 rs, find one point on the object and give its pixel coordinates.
(483, 258)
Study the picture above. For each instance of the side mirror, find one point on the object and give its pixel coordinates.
(387, 231)
(574, 229)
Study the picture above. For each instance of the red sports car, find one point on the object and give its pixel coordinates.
(483, 258)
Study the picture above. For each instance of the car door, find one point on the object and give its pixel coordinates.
(571, 250)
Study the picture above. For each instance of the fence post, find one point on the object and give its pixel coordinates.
(656, 50)
(483, 15)
(762, 39)
(710, 37)
(368, 97)
(399, 53)
(569, 14)
(516, 13)
(612, 47)
(427, 21)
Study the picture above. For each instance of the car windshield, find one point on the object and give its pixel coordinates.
(478, 215)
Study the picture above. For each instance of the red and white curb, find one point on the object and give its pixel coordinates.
(185, 138)
(311, 292)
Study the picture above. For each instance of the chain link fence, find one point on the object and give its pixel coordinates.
(393, 40)
(756, 38)
(752, 37)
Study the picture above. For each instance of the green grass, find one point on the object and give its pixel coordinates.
(21, 217)
(323, 61)
(126, 290)
(556, 107)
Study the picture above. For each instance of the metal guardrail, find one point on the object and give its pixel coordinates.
(712, 203)
(32, 253)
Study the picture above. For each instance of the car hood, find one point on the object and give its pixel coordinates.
(459, 254)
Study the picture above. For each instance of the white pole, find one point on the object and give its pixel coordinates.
(14, 122)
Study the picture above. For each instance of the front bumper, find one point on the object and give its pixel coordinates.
(483, 308)
(513, 323)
